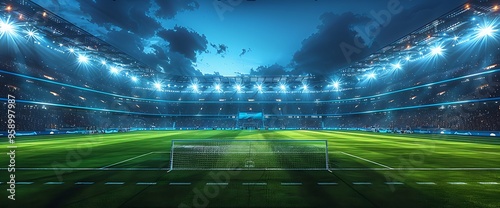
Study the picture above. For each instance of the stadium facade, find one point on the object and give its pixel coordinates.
(443, 75)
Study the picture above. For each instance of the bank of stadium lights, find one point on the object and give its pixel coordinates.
(103, 62)
(83, 59)
(195, 87)
(238, 88)
(134, 79)
(282, 87)
(397, 66)
(32, 34)
(371, 75)
(218, 88)
(486, 30)
(7, 28)
(305, 87)
(437, 51)
(259, 87)
(336, 85)
(114, 70)
(158, 85)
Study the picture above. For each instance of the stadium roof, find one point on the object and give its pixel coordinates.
(449, 30)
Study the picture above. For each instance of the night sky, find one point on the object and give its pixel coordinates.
(195, 37)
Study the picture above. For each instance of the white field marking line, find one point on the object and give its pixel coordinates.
(24, 183)
(327, 183)
(457, 183)
(394, 183)
(362, 183)
(291, 184)
(179, 184)
(488, 183)
(376, 163)
(254, 184)
(114, 183)
(331, 169)
(84, 183)
(414, 169)
(426, 183)
(54, 183)
(145, 183)
(216, 184)
(133, 158)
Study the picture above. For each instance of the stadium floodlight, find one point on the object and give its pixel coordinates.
(283, 87)
(485, 31)
(238, 87)
(396, 66)
(195, 87)
(437, 50)
(218, 87)
(304, 87)
(371, 75)
(32, 34)
(83, 59)
(223, 154)
(103, 62)
(7, 28)
(133, 78)
(336, 85)
(455, 38)
(157, 85)
(259, 87)
(71, 50)
(114, 70)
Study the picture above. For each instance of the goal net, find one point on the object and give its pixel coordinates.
(249, 155)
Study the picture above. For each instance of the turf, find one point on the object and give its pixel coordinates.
(368, 170)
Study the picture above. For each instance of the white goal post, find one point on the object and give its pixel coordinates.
(228, 154)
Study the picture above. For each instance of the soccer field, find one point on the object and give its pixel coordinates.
(367, 170)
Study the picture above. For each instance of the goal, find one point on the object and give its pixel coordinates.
(227, 154)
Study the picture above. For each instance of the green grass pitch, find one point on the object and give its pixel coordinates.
(368, 170)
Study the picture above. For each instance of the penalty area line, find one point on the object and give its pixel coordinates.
(123, 161)
(367, 160)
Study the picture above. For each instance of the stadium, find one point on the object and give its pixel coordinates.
(87, 122)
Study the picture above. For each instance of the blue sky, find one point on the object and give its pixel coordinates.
(194, 37)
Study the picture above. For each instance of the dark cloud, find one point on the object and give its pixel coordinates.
(322, 52)
(169, 8)
(275, 69)
(129, 15)
(160, 59)
(185, 42)
(221, 48)
(244, 51)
